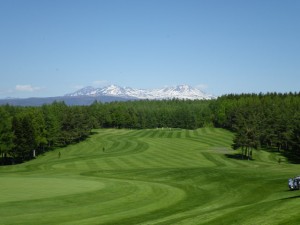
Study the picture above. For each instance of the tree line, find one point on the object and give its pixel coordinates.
(258, 120)
(270, 121)
(146, 114)
(29, 131)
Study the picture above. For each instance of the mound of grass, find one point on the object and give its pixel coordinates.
(157, 176)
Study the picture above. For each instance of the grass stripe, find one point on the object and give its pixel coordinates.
(153, 176)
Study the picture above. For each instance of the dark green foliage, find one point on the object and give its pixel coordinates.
(270, 120)
(27, 132)
(6, 134)
(174, 113)
(25, 136)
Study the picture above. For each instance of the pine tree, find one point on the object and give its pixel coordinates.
(6, 134)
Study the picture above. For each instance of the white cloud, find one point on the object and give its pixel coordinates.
(26, 88)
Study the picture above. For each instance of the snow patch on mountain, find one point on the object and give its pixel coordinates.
(179, 91)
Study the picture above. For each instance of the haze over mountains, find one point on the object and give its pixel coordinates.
(88, 95)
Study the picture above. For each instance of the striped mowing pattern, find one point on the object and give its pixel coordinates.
(153, 176)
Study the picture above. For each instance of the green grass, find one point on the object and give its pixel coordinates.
(157, 176)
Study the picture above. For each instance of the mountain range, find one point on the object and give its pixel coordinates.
(179, 91)
(88, 95)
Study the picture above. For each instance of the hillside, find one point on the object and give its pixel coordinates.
(153, 176)
(69, 100)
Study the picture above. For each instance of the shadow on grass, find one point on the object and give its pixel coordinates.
(288, 156)
(288, 198)
(292, 157)
(237, 157)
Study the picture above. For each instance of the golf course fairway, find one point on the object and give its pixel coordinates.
(155, 176)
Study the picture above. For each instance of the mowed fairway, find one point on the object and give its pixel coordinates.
(159, 176)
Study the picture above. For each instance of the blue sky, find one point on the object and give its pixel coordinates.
(54, 47)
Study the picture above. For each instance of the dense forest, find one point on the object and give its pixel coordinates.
(271, 121)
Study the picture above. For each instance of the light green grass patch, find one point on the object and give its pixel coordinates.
(28, 188)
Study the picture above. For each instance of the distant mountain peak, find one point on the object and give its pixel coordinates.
(183, 91)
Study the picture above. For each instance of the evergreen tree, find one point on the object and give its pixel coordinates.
(6, 134)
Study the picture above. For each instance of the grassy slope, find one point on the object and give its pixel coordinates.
(149, 177)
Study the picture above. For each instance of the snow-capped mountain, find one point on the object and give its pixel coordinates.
(180, 92)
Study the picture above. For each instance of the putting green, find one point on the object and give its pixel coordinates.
(156, 176)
